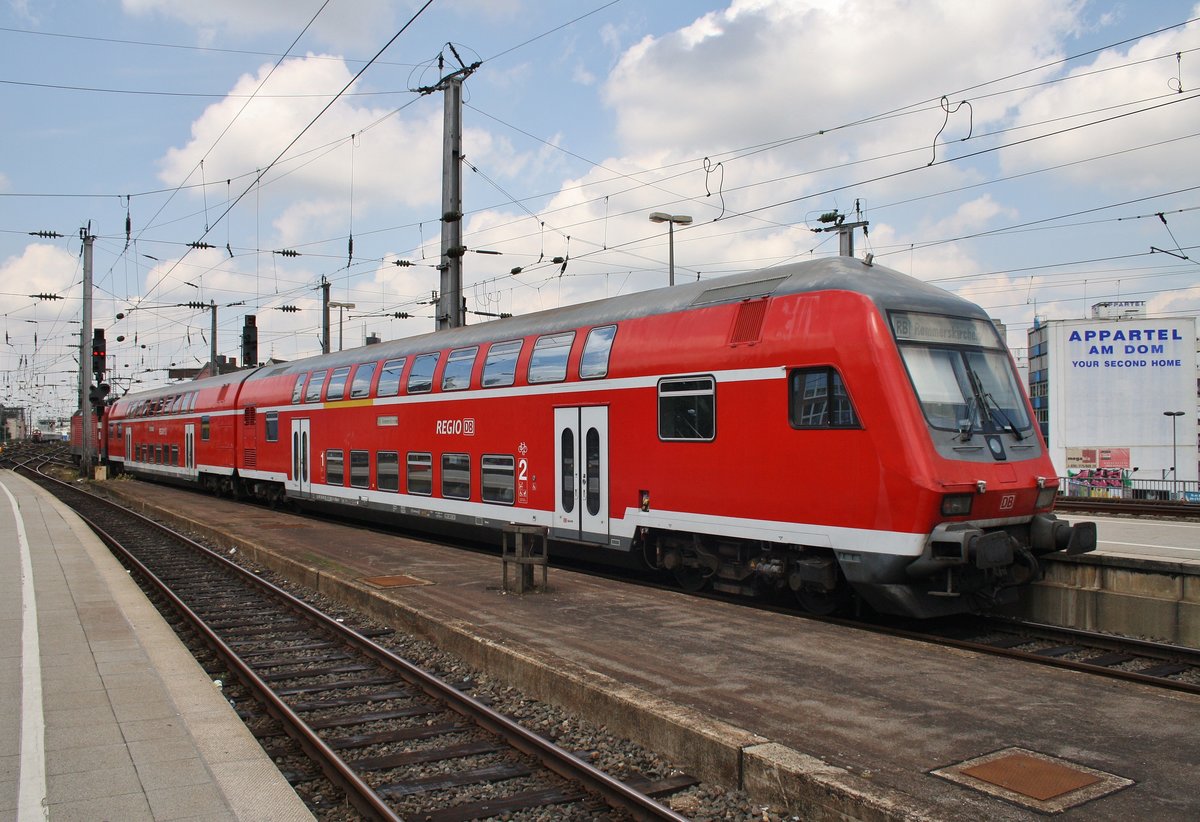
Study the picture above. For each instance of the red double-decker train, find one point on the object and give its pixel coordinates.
(831, 427)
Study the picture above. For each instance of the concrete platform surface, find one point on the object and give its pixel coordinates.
(104, 715)
(839, 723)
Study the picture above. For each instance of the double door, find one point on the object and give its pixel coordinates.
(581, 477)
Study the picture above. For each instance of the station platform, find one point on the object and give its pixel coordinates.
(828, 722)
(104, 715)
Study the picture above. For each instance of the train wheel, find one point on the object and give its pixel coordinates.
(691, 579)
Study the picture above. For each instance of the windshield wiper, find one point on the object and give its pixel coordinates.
(1003, 416)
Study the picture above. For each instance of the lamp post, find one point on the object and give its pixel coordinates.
(340, 307)
(671, 220)
(1174, 415)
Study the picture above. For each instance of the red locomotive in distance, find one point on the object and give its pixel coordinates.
(830, 427)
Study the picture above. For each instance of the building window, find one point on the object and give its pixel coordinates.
(387, 470)
(313, 394)
(389, 378)
(549, 360)
(456, 476)
(362, 381)
(499, 479)
(420, 378)
(817, 399)
(420, 474)
(594, 362)
(687, 409)
(500, 367)
(335, 467)
(457, 374)
(360, 469)
(337, 384)
(271, 419)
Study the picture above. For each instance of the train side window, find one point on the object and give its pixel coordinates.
(315, 383)
(271, 424)
(420, 378)
(389, 378)
(337, 384)
(817, 398)
(457, 374)
(500, 367)
(335, 467)
(420, 473)
(499, 479)
(361, 386)
(174, 454)
(205, 426)
(158, 459)
(594, 362)
(687, 409)
(360, 469)
(387, 470)
(456, 476)
(298, 388)
(549, 360)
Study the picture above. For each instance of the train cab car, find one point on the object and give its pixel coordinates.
(830, 428)
(183, 433)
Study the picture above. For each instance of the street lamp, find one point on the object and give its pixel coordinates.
(1174, 415)
(671, 220)
(340, 307)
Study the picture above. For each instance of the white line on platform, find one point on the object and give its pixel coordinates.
(31, 802)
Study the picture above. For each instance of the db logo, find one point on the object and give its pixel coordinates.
(1008, 502)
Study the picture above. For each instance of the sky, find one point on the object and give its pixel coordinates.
(1033, 156)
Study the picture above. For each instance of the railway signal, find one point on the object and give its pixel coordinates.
(99, 353)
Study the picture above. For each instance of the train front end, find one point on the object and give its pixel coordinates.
(987, 486)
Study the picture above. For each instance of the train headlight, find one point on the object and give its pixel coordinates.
(1045, 497)
(957, 505)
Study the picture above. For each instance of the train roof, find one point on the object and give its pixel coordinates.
(888, 288)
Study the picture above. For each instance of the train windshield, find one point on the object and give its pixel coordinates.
(962, 374)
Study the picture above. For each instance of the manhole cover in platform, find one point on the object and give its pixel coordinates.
(395, 581)
(1034, 780)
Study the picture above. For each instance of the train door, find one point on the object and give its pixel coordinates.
(300, 477)
(128, 443)
(189, 448)
(581, 478)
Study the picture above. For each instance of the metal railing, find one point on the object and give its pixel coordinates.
(1118, 486)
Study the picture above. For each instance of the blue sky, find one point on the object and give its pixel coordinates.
(1036, 186)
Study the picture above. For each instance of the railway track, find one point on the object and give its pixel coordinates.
(1134, 660)
(399, 742)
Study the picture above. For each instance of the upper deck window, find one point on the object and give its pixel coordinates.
(362, 381)
(337, 383)
(817, 398)
(594, 362)
(389, 378)
(500, 367)
(298, 388)
(315, 383)
(549, 360)
(420, 378)
(457, 374)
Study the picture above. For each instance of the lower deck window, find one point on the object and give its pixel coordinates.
(687, 409)
(360, 469)
(420, 474)
(335, 467)
(498, 479)
(387, 471)
(456, 476)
